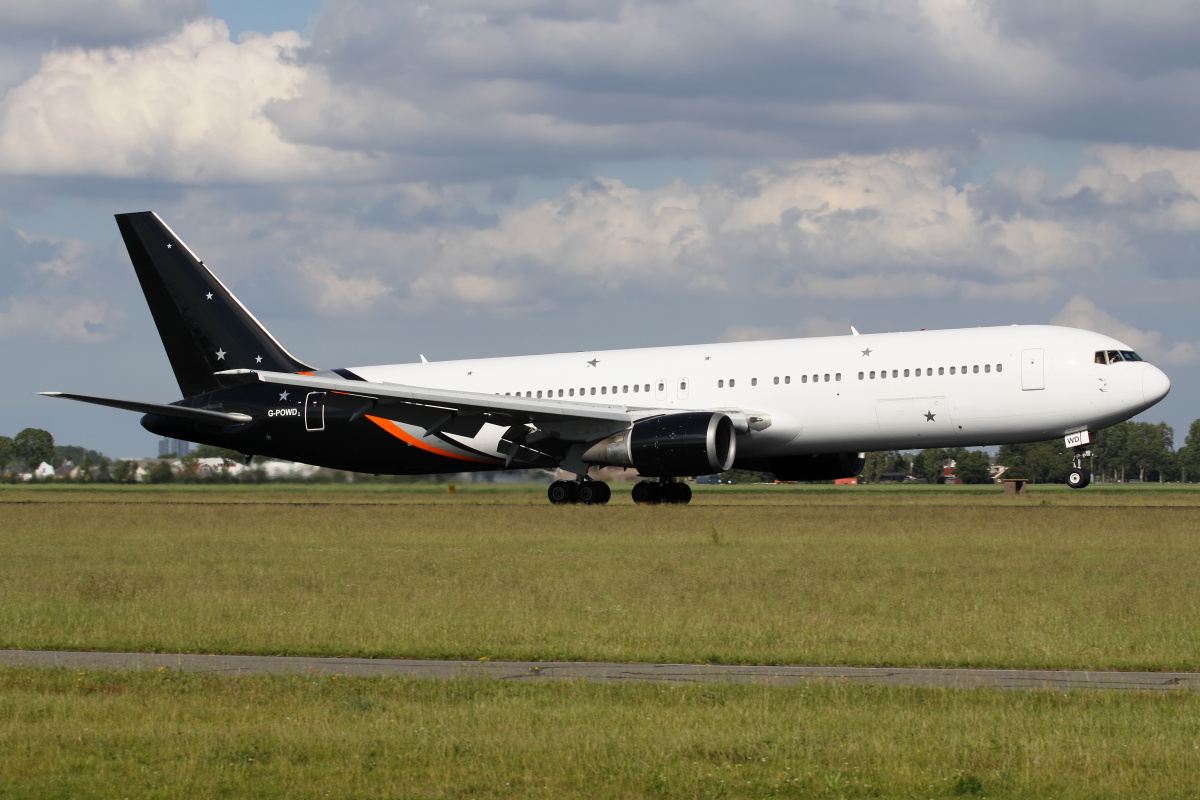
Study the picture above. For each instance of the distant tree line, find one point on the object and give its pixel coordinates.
(1142, 451)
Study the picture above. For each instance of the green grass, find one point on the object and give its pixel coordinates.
(169, 735)
(770, 575)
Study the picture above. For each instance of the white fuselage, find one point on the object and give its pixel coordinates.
(967, 387)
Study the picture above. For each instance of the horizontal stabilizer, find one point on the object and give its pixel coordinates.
(183, 412)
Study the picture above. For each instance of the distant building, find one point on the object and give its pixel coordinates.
(173, 447)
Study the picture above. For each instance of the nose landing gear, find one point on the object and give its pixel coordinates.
(1078, 477)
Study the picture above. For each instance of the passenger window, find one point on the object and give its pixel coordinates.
(872, 374)
(754, 381)
(882, 374)
(964, 369)
(683, 385)
(560, 392)
(906, 373)
(624, 389)
(539, 392)
(804, 379)
(787, 378)
(647, 387)
(529, 394)
(941, 370)
(571, 393)
(603, 390)
(816, 378)
(635, 388)
(662, 387)
(732, 383)
(776, 380)
(952, 370)
(918, 372)
(975, 369)
(827, 377)
(593, 390)
(614, 390)
(895, 373)
(999, 368)
(837, 377)
(860, 376)
(987, 367)
(721, 384)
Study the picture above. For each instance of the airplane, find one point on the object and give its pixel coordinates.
(801, 409)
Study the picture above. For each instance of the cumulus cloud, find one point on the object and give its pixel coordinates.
(476, 88)
(188, 108)
(1081, 312)
(1158, 187)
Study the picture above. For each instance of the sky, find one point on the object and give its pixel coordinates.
(469, 178)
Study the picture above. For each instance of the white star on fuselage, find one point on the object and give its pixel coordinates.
(283, 395)
(220, 355)
(168, 245)
(208, 296)
(258, 359)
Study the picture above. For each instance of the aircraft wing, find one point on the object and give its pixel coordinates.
(535, 425)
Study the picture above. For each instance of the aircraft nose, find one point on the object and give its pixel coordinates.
(1155, 384)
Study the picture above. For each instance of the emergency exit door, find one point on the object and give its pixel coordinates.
(314, 411)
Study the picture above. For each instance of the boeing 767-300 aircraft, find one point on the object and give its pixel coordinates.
(802, 409)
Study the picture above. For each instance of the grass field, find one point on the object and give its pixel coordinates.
(167, 735)
(1103, 578)
(769, 575)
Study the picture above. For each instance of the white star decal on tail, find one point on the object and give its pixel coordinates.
(220, 355)
(168, 245)
(208, 296)
(258, 359)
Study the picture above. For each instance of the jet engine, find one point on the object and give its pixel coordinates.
(692, 443)
(823, 467)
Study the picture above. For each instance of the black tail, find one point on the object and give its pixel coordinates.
(203, 326)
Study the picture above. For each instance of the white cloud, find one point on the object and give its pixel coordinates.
(54, 318)
(1158, 187)
(188, 109)
(1081, 312)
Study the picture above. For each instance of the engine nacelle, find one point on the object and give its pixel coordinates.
(692, 443)
(823, 467)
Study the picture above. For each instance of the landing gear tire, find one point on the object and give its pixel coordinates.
(562, 493)
(647, 493)
(676, 493)
(594, 493)
(1077, 479)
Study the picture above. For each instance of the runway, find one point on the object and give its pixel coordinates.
(677, 674)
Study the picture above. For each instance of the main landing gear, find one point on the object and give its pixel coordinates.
(587, 492)
(590, 492)
(665, 491)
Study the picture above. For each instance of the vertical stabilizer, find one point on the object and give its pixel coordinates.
(204, 328)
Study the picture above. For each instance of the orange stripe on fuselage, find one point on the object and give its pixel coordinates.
(403, 435)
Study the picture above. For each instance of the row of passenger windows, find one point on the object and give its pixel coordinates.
(583, 390)
(896, 373)
(786, 379)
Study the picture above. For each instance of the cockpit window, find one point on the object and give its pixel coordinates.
(1116, 356)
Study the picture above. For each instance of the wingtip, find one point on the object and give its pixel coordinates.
(51, 394)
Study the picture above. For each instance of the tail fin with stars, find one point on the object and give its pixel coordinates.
(204, 328)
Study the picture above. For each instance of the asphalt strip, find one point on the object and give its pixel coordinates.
(598, 672)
